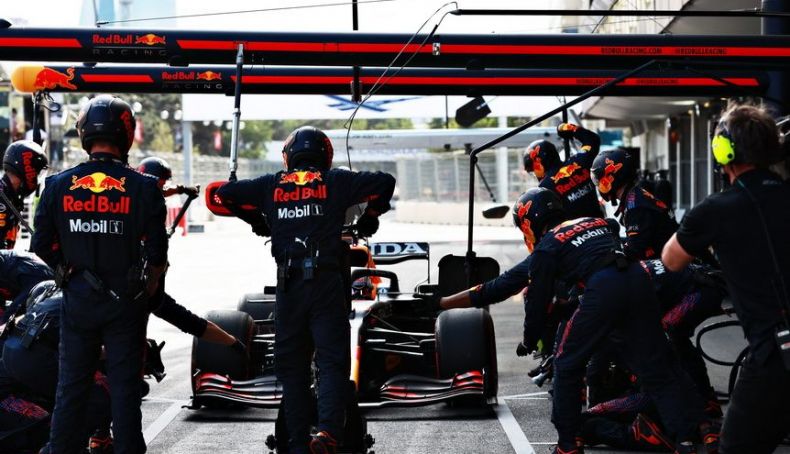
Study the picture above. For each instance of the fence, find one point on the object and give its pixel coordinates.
(444, 177)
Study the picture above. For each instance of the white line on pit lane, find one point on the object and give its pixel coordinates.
(152, 431)
(512, 429)
(537, 395)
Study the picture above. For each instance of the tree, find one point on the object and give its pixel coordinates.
(162, 137)
(487, 122)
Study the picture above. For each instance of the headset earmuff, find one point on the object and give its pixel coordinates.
(722, 146)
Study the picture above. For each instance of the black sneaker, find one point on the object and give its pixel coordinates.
(686, 447)
(100, 445)
(646, 431)
(710, 436)
(323, 443)
(573, 450)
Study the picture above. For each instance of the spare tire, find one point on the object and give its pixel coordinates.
(465, 341)
(220, 359)
(259, 306)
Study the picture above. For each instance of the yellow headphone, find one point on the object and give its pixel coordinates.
(723, 146)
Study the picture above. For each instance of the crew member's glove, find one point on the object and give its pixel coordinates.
(566, 130)
(367, 225)
(525, 348)
(426, 304)
(191, 191)
(239, 347)
(262, 229)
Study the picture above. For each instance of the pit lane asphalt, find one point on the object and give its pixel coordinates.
(213, 269)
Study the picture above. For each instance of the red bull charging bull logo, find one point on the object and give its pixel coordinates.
(605, 184)
(525, 225)
(301, 177)
(98, 182)
(566, 172)
(209, 76)
(537, 165)
(49, 79)
(150, 40)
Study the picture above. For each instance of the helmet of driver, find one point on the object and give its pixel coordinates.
(157, 168)
(308, 147)
(535, 211)
(26, 160)
(612, 170)
(107, 118)
(540, 157)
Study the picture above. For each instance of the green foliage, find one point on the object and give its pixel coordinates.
(488, 122)
(162, 137)
(284, 127)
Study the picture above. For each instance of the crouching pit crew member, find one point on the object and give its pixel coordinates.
(305, 208)
(23, 161)
(617, 295)
(19, 273)
(101, 224)
(746, 225)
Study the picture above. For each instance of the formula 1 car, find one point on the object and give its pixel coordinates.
(399, 356)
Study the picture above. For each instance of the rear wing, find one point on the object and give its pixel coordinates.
(392, 253)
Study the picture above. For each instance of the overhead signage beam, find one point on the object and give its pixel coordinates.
(571, 51)
(415, 81)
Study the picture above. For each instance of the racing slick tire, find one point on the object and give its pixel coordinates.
(220, 359)
(259, 306)
(465, 341)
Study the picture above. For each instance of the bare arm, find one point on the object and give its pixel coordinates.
(674, 256)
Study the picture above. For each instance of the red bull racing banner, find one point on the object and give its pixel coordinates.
(410, 81)
(180, 48)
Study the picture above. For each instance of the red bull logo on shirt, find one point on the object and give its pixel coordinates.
(98, 182)
(300, 178)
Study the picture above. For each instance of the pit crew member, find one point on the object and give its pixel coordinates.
(569, 179)
(101, 224)
(303, 209)
(617, 295)
(23, 161)
(19, 272)
(648, 221)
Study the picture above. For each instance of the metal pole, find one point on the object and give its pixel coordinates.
(234, 138)
(566, 141)
(36, 112)
(356, 88)
(186, 138)
(693, 159)
(502, 174)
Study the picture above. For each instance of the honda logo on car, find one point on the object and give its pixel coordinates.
(300, 212)
(93, 226)
(395, 249)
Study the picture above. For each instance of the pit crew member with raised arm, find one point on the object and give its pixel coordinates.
(570, 179)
